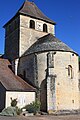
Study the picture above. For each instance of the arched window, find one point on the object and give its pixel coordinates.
(70, 71)
(32, 24)
(45, 28)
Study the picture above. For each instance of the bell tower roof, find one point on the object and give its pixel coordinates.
(30, 9)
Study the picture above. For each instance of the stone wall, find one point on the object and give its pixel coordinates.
(67, 92)
(27, 64)
(12, 39)
(19, 36)
(42, 67)
(66, 84)
(29, 36)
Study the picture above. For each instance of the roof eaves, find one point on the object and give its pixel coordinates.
(23, 13)
(37, 52)
(37, 46)
(54, 23)
(16, 15)
(20, 90)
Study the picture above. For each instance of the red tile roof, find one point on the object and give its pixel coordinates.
(11, 81)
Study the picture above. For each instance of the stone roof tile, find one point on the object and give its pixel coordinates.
(48, 43)
(30, 9)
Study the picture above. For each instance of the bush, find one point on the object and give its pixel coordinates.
(18, 111)
(33, 107)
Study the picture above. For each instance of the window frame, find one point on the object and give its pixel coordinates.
(45, 29)
(70, 71)
(32, 24)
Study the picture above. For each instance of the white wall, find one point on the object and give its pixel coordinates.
(23, 98)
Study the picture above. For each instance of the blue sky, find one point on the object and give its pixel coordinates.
(66, 13)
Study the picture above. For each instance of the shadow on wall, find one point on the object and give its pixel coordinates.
(2, 97)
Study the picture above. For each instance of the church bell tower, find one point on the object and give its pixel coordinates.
(24, 29)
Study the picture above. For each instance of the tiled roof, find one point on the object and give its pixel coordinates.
(48, 43)
(11, 81)
(30, 9)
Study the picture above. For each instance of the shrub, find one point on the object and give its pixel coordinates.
(33, 107)
(18, 111)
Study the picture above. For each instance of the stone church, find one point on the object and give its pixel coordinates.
(42, 61)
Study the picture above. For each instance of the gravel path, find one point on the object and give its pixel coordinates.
(46, 117)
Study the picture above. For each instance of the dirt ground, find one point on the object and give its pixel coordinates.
(46, 117)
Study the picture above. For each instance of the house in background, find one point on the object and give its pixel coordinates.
(42, 60)
(12, 86)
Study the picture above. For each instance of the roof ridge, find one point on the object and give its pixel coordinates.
(33, 11)
(38, 14)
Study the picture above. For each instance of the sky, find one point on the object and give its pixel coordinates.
(66, 14)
